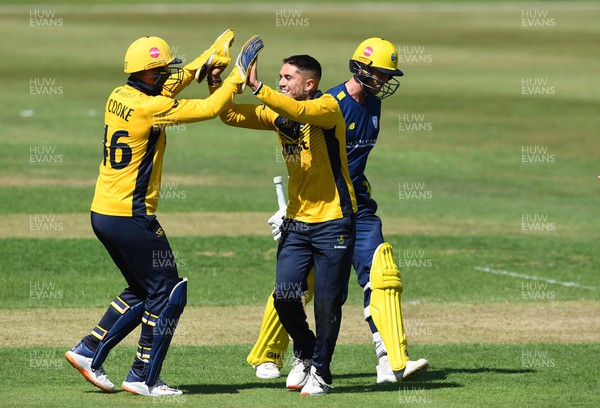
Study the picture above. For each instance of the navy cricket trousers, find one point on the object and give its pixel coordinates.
(328, 246)
(140, 249)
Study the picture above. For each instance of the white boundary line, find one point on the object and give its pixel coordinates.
(214, 7)
(518, 275)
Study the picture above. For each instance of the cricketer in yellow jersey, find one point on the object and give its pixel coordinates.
(126, 198)
(319, 226)
(374, 65)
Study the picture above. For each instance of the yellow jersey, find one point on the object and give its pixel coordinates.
(134, 144)
(312, 137)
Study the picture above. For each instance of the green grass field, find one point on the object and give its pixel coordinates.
(485, 173)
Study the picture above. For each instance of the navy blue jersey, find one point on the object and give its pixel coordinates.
(362, 129)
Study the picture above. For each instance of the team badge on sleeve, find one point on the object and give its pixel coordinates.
(375, 121)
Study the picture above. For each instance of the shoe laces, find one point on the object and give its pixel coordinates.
(161, 384)
(300, 365)
(100, 373)
(318, 381)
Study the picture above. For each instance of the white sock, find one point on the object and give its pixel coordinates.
(380, 349)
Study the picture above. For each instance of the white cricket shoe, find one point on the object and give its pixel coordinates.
(412, 370)
(315, 385)
(299, 373)
(81, 358)
(136, 385)
(267, 371)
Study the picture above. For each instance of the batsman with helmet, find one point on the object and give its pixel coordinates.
(374, 65)
(126, 198)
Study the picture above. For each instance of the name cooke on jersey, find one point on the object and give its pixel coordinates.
(119, 109)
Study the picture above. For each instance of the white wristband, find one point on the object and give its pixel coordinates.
(260, 85)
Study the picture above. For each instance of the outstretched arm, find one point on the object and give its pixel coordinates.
(323, 111)
(166, 111)
(217, 55)
(248, 116)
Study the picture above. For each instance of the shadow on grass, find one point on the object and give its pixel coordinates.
(228, 388)
(423, 382)
(432, 380)
(442, 373)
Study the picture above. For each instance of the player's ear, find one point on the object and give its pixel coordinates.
(310, 85)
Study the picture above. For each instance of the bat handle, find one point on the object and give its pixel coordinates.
(279, 190)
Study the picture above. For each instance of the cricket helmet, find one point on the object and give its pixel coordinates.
(148, 53)
(376, 54)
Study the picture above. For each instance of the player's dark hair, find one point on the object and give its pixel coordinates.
(305, 63)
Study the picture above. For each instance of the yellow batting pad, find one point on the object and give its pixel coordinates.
(272, 341)
(385, 306)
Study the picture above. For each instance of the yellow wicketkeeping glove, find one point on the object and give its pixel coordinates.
(217, 55)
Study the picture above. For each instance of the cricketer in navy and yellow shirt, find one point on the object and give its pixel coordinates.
(313, 142)
(362, 130)
(134, 143)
